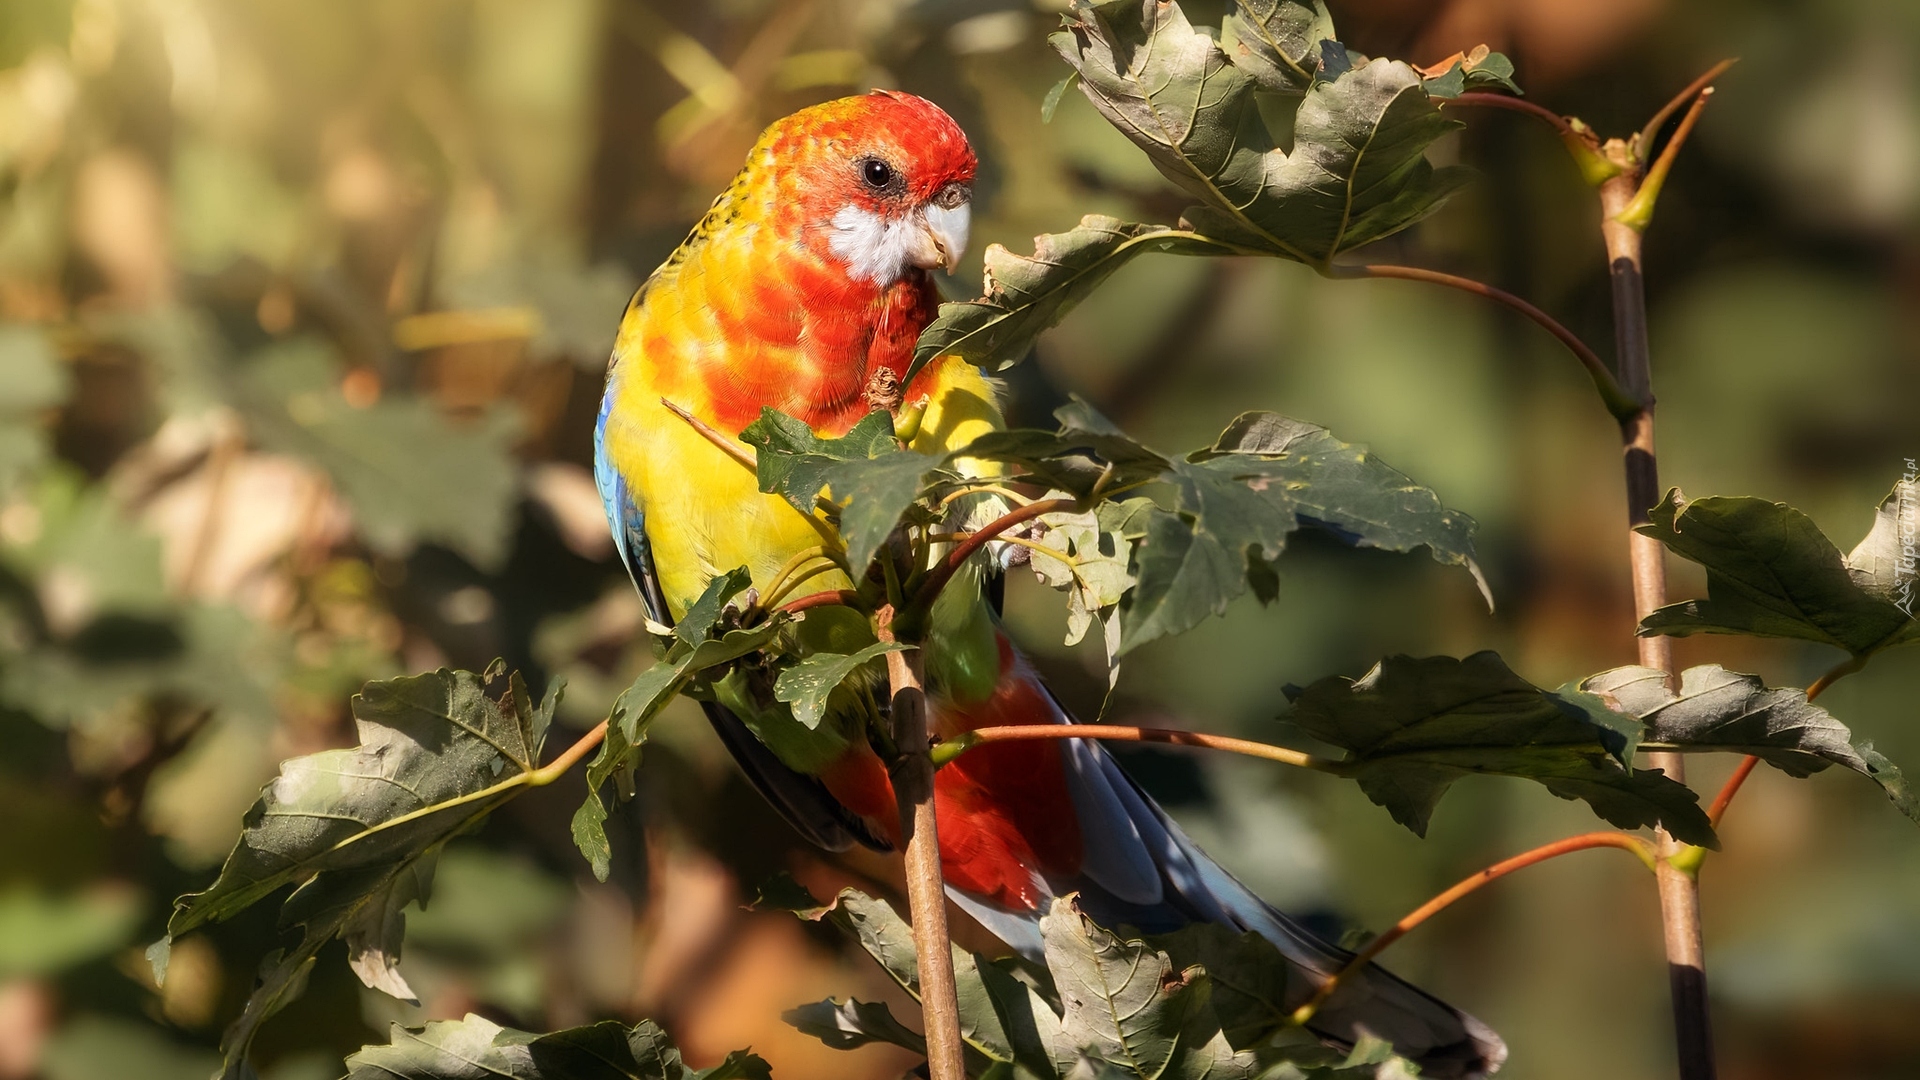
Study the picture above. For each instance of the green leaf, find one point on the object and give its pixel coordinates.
(850, 1024)
(1277, 42)
(705, 611)
(1238, 500)
(1771, 572)
(32, 381)
(410, 474)
(1357, 169)
(1414, 726)
(1185, 574)
(807, 684)
(476, 1047)
(1051, 102)
(1491, 71)
(1127, 1005)
(1089, 556)
(1086, 447)
(1255, 990)
(1025, 294)
(864, 474)
(1003, 1020)
(357, 829)
(689, 664)
(1885, 562)
(1722, 710)
(1345, 489)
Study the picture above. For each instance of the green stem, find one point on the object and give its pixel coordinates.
(952, 748)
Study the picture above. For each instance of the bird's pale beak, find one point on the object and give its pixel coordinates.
(943, 236)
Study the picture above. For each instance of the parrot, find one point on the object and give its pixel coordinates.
(810, 273)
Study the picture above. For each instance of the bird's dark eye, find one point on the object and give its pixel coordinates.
(876, 173)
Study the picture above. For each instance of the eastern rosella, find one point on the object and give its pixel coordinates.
(811, 271)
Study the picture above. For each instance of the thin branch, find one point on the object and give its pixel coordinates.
(1643, 142)
(912, 776)
(836, 597)
(1514, 104)
(553, 770)
(1732, 787)
(1618, 401)
(1640, 848)
(1729, 789)
(731, 447)
(1004, 492)
(965, 741)
(938, 577)
(1835, 674)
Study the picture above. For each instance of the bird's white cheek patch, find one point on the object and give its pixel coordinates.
(873, 248)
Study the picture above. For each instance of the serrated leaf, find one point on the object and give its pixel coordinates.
(1185, 575)
(1127, 1005)
(1238, 500)
(1481, 69)
(864, 474)
(410, 474)
(696, 651)
(1255, 990)
(1074, 458)
(1345, 489)
(475, 1047)
(850, 1024)
(1023, 295)
(1002, 1019)
(1090, 560)
(1722, 710)
(1414, 726)
(705, 611)
(357, 829)
(807, 684)
(1886, 562)
(1357, 169)
(1277, 42)
(1771, 572)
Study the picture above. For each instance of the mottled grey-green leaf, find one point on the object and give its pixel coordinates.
(1771, 572)
(475, 1048)
(807, 684)
(357, 829)
(1723, 710)
(1414, 726)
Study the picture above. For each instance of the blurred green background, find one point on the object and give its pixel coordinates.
(306, 305)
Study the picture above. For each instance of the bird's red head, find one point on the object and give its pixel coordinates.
(882, 182)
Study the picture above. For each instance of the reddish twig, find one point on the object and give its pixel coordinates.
(1361, 959)
(1514, 104)
(553, 770)
(1643, 142)
(965, 741)
(830, 598)
(1618, 401)
(1731, 788)
(938, 577)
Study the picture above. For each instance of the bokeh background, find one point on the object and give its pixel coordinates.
(306, 306)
